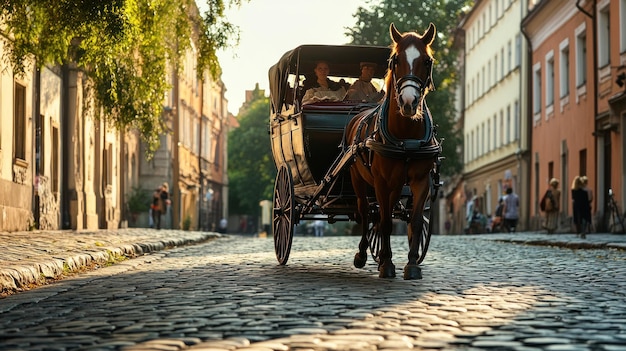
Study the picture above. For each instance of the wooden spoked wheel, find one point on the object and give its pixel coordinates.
(426, 230)
(283, 214)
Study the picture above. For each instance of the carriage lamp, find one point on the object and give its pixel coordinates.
(620, 79)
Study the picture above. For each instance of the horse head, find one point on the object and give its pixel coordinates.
(410, 69)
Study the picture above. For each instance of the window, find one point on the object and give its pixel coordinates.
(510, 56)
(19, 122)
(582, 157)
(501, 136)
(516, 121)
(564, 69)
(495, 131)
(581, 57)
(604, 35)
(54, 177)
(488, 135)
(537, 88)
(550, 79)
(502, 62)
(495, 69)
(508, 124)
(518, 50)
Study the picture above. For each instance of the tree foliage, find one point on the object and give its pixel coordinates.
(251, 170)
(372, 28)
(124, 46)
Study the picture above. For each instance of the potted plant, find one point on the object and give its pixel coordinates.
(138, 201)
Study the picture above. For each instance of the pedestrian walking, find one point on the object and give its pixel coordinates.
(550, 205)
(160, 202)
(585, 182)
(580, 207)
(318, 227)
(511, 210)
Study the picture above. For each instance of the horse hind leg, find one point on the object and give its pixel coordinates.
(360, 258)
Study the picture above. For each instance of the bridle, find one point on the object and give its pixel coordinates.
(413, 80)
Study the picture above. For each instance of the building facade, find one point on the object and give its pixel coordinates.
(63, 167)
(496, 140)
(563, 143)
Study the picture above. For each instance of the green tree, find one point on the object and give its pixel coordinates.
(372, 28)
(124, 46)
(251, 170)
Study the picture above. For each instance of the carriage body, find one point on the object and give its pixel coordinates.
(307, 142)
(308, 138)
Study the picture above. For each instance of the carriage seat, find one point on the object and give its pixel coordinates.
(337, 106)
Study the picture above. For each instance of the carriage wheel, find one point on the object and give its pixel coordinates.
(283, 214)
(426, 230)
(427, 215)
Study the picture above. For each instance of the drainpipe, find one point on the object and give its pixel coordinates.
(594, 30)
(529, 108)
(201, 181)
(38, 147)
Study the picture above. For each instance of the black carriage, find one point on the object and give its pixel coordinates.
(308, 148)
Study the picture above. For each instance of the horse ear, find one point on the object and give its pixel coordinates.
(395, 35)
(429, 34)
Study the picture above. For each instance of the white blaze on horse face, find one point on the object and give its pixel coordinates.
(410, 91)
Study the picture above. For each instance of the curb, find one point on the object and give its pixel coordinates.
(18, 278)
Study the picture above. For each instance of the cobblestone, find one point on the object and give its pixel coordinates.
(478, 293)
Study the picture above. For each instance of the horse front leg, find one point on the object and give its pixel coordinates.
(412, 270)
(386, 268)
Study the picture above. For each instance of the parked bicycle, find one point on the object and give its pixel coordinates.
(615, 217)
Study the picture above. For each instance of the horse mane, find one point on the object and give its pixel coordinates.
(407, 39)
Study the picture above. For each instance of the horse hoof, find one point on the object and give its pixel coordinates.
(412, 272)
(359, 260)
(387, 271)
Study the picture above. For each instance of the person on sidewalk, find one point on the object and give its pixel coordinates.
(551, 202)
(585, 182)
(510, 210)
(580, 206)
(160, 202)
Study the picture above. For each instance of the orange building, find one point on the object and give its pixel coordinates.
(578, 53)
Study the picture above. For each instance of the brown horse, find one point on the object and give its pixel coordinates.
(396, 147)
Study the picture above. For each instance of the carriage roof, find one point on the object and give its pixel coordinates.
(343, 60)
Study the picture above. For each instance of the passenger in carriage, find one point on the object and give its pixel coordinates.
(321, 88)
(362, 89)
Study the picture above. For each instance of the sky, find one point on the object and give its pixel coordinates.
(269, 28)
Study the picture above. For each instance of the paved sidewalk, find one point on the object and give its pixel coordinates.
(31, 258)
(572, 241)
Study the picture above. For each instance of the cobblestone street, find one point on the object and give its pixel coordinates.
(230, 294)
